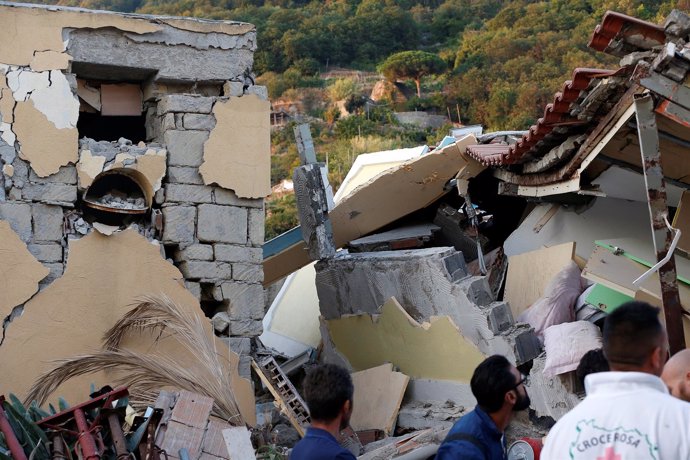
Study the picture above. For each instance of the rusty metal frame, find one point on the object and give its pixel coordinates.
(658, 213)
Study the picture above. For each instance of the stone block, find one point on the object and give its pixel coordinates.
(66, 175)
(50, 193)
(258, 90)
(225, 196)
(47, 222)
(167, 122)
(245, 301)
(159, 196)
(500, 317)
(195, 252)
(195, 269)
(179, 224)
(246, 328)
(185, 103)
(233, 88)
(187, 193)
(199, 121)
(194, 288)
(229, 253)
(220, 321)
(21, 169)
(185, 148)
(46, 252)
(527, 345)
(19, 217)
(239, 345)
(222, 224)
(184, 175)
(15, 194)
(244, 367)
(477, 290)
(257, 229)
(250, 273)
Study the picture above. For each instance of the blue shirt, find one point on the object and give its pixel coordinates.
(479, 425)
(319, 444)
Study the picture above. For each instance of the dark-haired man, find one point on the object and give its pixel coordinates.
(500, 391)
(591, 362)
(628, 413)
(328, 393)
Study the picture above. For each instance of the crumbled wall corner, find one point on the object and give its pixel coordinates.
(237, 152)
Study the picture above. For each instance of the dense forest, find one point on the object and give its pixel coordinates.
(501, 63)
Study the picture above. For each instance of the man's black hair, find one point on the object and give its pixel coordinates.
(491, 380)
(631, 333)
(326, 388)
(591, 362)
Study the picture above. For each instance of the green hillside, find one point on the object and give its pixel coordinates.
(501, 63)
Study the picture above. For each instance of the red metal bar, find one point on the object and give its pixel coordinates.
(86, 441)
(15, 448)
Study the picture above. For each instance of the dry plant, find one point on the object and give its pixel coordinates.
(146, 375)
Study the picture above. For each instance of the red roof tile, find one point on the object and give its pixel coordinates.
(555, 114)
(636, 33)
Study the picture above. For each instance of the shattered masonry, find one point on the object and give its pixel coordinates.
(109, 121)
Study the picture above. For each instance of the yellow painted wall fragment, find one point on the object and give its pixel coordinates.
(104, 277)
(42, 144)
(50, 60)
(20, 272)
(435, 350)
(237, 154)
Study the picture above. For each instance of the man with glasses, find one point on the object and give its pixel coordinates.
(500, 391)
(628, 412)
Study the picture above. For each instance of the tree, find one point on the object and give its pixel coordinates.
(411, 65)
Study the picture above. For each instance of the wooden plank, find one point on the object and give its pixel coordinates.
(379, 392)
(386, 198)
(530, 273)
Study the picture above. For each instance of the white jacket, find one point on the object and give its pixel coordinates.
(625, 416)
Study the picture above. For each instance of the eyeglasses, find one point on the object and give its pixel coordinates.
(523, 380)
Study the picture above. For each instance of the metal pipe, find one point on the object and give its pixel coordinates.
(86, 441)
(15, 447)
(117, 435)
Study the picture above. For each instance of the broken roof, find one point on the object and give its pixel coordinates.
(591, 117)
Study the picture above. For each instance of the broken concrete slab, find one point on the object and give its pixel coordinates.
(387, 197)
(103, 279)
(20, 272)
(426, 283)
(394, 336)
(378, 394)
(235, 153)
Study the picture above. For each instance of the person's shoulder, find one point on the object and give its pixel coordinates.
(457, 449)
(345, 455)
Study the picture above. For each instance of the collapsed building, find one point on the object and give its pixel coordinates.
(135, 158)
(516, 243)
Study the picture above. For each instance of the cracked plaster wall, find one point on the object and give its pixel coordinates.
(211, 229)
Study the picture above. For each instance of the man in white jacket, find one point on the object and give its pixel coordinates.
(628, 413)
